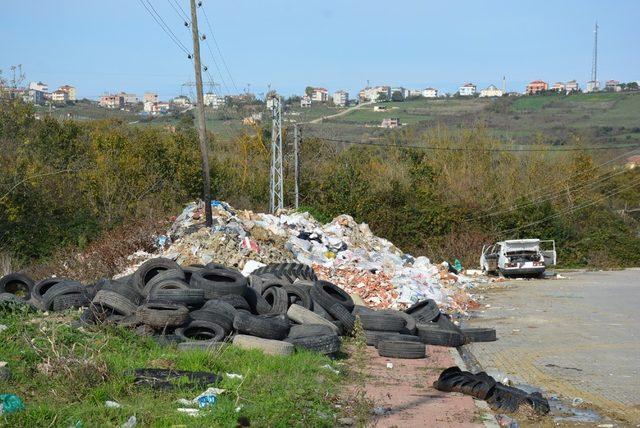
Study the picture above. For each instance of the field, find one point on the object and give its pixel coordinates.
(601, 118)
(65, 375)
(598, 118)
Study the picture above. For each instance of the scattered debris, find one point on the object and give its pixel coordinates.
(112, 404)
(10, 403)
(131, 422)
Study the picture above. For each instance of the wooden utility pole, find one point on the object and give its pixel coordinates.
(202, 131)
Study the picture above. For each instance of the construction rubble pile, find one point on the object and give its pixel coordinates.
(343, 252)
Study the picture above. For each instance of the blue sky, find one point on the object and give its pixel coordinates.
(115, 45)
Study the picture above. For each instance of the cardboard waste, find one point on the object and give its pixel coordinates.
(342, 251)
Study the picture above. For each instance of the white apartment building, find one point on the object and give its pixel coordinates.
(320, 95)
(341, 98)
(305, 101)
(491, 91)
(181, 101)
(467, 90)
(150, 97)
(39, 86)
(70, 91)
(213, 100)
(59, 96)
(572, 86)
(430, 93)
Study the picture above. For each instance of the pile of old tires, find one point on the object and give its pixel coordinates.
(277, 309)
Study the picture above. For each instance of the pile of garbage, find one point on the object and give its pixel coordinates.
(342, 251)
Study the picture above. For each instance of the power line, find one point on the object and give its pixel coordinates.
(163, 25)
(181, 13)
(574, 177)
(466, 149)
(206, 17)
(568, 211)
(546, 198)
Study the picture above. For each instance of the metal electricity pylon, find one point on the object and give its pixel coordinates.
(276, 177)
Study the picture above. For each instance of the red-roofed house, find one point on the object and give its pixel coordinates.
(320, 95)
(536, 86)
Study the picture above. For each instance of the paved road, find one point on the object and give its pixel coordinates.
(575, 337)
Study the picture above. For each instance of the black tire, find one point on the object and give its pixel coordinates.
(325, 344)
(160, 315)
(236, 301)
(435, 335)
(309, 330)
(299, 295)
(18, 284)
(43, 286)
(190, 270)
(381, 322)
(341, 314)
(359, 310)
(409, 321)
(318, 309)
(201, 331)
(327, 294)
(69, 301)
(106, 300)
(171, 284)
(288, 271)
(444, 321)
(149, 269)
(257, 303)
(190, 297)
(217, 312)
(278, 299)
(401, 349)
(60, 289)
(169, 274)
(219, 282)
(424, 310)
(373, 337)
(124, 289)
(263, 283)
(479, 334)
(274, 327)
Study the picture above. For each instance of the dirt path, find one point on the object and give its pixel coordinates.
(407, 390)
(342, 113)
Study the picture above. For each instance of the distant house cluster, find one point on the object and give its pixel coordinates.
(38, 93)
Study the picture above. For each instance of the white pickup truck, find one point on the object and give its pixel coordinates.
(518, 257)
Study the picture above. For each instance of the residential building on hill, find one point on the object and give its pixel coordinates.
(39, 86)
(392, 122)
(320, 95)
(341, 98)
(491, 91)
(430, 93)
(467, 90)
(70, 91)
(536, 86)
(593, 86)
(33, 96)
(305, 101)
(213, 100)
(559, 87)
(59, 96)
(572, 86)
(612, 86)
(181, 101)
(111, 101)
(151, 97)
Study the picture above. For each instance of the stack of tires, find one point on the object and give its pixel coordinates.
(277, 309)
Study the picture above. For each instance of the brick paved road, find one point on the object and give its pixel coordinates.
(576, 337)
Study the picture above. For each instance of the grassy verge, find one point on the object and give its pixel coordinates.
(65, 375)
